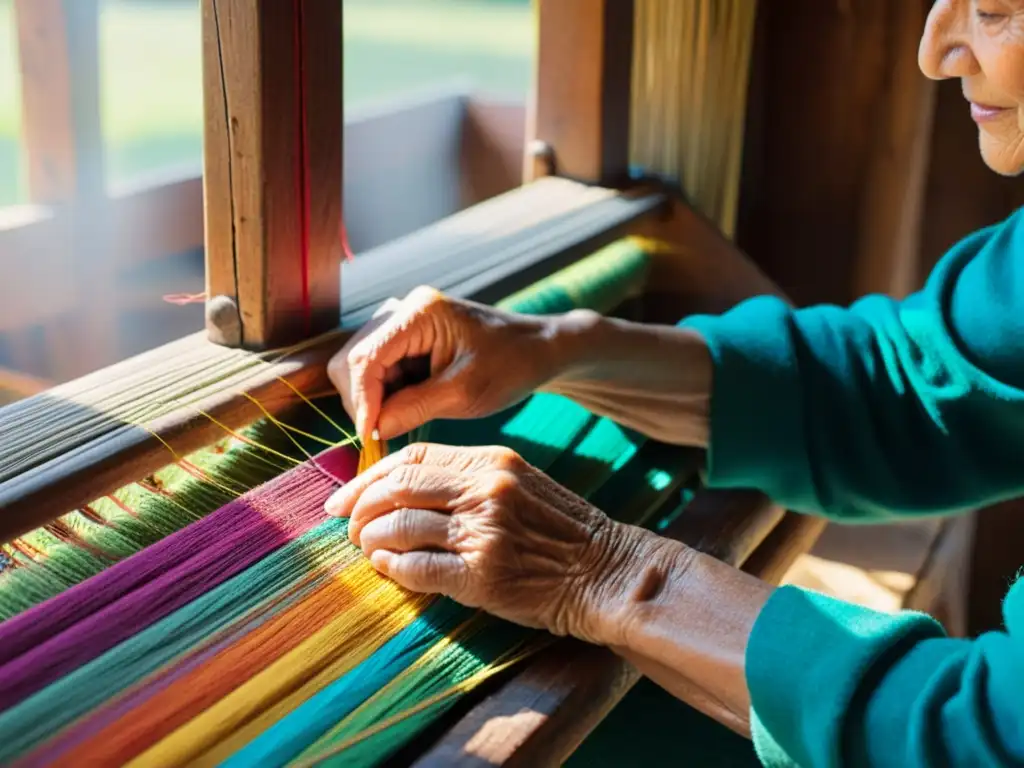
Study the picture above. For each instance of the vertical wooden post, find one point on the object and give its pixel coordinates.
(58, 51)
(578, 126)
(272, 169)
(843, 145)
(892, 206)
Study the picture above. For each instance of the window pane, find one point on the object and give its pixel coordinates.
(151, 85)
(12, 189)
(393, 47)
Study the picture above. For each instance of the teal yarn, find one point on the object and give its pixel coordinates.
(175, 637)
(287, 738)
(455, 664)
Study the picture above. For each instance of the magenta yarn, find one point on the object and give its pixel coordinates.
(57, 636)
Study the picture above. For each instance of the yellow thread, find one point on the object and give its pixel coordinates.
(373, 450)
(466, 685)
(249, 441)
(288, 428)
(311, 404)
(349, 638)
(460, 634)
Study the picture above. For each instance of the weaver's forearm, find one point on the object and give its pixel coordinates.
(683, 617)
(655, 379)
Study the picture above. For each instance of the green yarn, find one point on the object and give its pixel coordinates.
(229, 464)
(186, 631)
(460, 659)
(600, 282)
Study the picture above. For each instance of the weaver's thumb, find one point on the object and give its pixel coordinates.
(414, 406)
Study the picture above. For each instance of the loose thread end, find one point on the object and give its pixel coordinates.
(373, 450)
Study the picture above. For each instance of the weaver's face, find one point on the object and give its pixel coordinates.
(982, 43)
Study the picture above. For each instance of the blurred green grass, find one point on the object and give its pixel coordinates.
(151, 70)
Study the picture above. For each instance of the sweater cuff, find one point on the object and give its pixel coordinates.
(757, 430)
(806, 658)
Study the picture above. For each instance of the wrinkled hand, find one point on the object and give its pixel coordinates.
(481, 360)
(483, 527)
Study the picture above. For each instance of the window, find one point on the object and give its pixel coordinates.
(434, 94)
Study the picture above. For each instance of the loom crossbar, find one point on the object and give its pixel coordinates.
(488, 251)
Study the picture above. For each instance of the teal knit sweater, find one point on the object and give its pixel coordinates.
(885, 410)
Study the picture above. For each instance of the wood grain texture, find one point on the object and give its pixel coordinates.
(581, 104)
(272, 159)
(491, 147)
(840, 147)
(888, 258)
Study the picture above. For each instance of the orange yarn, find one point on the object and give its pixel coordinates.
(189, 695)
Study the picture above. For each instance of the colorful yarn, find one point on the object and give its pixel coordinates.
(258, 634)
(49, 641)
(182, 640)
(287, 738)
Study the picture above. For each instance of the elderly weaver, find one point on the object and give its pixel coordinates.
(883, 410)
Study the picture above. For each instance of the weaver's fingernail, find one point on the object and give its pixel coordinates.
(380, 560)
(333, 505)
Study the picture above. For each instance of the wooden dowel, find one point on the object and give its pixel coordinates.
(126, 453)
(550, 223)
(792, 537)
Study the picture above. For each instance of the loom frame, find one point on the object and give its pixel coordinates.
(578, 132)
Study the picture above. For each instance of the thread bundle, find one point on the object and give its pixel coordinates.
(258, 634)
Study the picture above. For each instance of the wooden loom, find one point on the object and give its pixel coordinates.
(272, 184)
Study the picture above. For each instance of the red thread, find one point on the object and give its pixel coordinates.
(181, 299)
(91, 514)
(345, 248)
(302, 185)
(303, 170)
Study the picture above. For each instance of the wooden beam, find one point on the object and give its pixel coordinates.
(893, 199)
(491, 148)
(99, 450)
(580, 109)
(94, 447)
(840, 147)
(21, 384)
(795, 535)
(272, 162)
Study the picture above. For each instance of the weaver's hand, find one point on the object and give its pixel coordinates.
(480, 361)
(483, 527)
